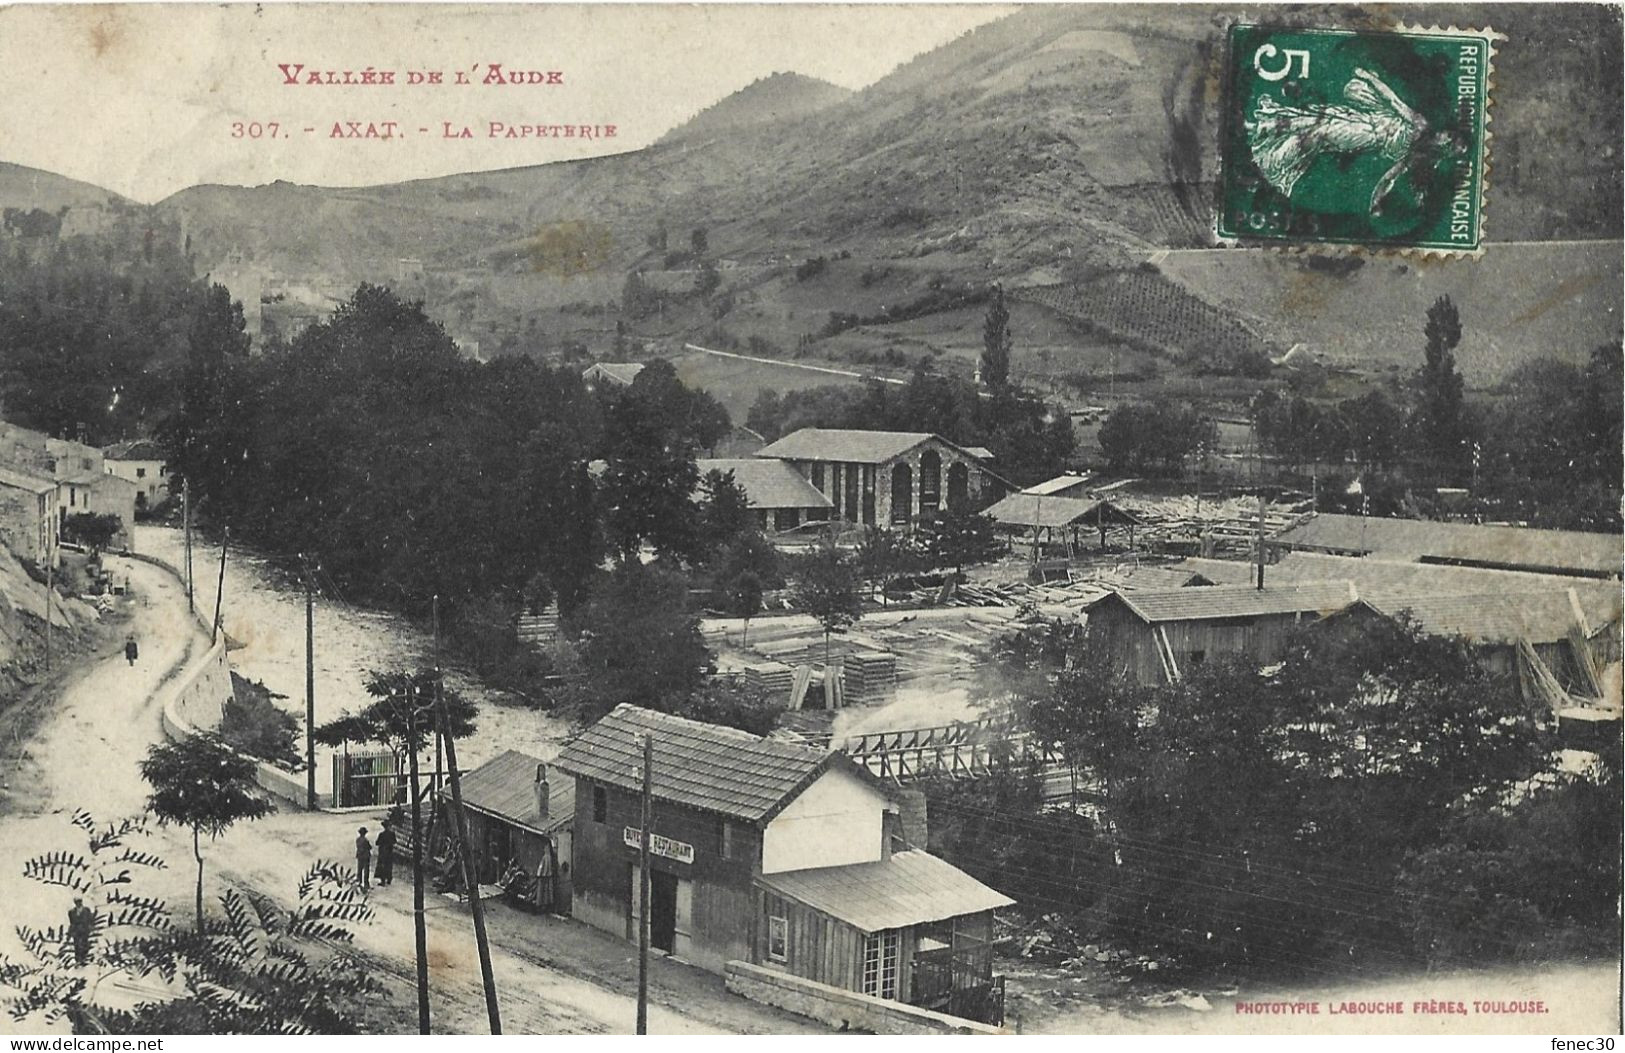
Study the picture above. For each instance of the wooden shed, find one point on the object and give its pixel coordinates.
(1153, 635)
(908, 927)
(516, 815)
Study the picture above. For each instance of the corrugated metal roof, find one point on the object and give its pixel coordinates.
(848, 445)
(704, 766)
(767, 483)
(1234, 601)
(910, 888)
(26, 481)
(1030, 510)
(1381, 581)
(503, 786)
(1498, 546)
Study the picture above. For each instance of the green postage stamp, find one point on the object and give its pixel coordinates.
(1343, 137)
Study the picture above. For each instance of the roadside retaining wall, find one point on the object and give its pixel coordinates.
(841, 1008)
(198, 704)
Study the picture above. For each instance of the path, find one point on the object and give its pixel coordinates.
(86, 754)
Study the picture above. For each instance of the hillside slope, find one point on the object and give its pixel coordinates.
(779, 97)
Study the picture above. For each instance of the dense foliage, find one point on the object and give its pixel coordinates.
(1030, 441)
(1379, 797)
(256, 969)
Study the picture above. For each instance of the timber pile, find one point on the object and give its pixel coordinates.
(770, 678)
(538, 630)
(871, 677)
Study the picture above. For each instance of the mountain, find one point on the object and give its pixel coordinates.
(28, 188)
(1049, 149)
(779, 97)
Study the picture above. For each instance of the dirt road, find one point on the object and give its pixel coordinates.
(86, 755)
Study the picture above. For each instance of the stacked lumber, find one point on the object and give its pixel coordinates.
(539, 630)
(871, 677)
(770, 678)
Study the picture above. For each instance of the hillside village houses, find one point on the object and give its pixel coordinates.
(82, 482)
(881, 478)
(143, 463)
(774, 854)
(615, 374)
(28, 520)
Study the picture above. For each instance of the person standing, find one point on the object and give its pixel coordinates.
(81, 924)
(131, 652)
(386, 855)
(363, 858)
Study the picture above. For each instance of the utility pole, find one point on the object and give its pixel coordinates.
(1261, 540)
(471, 875)
(644, 837)
(186, 526)
(420, 934)
(310, 689)
(50, 590)
(220, 586)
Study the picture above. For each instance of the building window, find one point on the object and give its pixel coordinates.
(725, 838)
(140, 473)
(163, 470)
(778, 939)
(600, 805)
(880, 964)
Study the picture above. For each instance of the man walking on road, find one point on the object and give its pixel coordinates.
(363, 858)
(131, 652)
(81, 923)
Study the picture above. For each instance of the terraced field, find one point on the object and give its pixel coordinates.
(1518, 301)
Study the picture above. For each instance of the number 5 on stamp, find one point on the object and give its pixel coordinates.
(1340, 137)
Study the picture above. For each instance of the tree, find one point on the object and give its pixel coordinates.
(93, 530)
(883, 555)
(745, 600)
(707, 279)
(1440, 415)
(996, 343)
(825, 585)
(639, 299)
(724, 509)
(248, 973)
(1155, 437)
(204, 785)
(640, 640)
(955, 537)
(654, 428)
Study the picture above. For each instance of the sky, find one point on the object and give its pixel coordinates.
(147, 99)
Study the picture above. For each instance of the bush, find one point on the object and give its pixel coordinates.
(253, 724)
(812, 268)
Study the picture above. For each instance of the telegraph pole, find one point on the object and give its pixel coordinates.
(186, 525)
(50, 589)
(644, 837)
(310, 690)
(1261, 539)
(471, 875)
(420, 935)
(220, 586)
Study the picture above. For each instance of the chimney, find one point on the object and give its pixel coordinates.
(540, 786)
(912, 828)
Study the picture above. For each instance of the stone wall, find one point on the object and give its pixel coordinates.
(198, 704)
(847, 1010)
